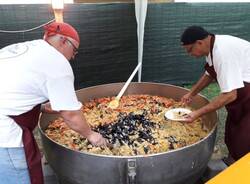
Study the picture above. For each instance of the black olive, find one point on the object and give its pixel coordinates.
(139, 140)
(146, 149)
(171, 146)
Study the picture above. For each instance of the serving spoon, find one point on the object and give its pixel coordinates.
(115, 103)
(140, 13)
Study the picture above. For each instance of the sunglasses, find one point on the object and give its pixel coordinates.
(75, 49)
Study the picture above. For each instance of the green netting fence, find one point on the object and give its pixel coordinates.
(108, 51)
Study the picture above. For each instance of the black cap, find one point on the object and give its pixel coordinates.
(192, 34)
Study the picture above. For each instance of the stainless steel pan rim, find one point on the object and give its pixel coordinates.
(183, 165)
(136, 156)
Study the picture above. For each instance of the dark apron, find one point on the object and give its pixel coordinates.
(237, 128)
(28, 121)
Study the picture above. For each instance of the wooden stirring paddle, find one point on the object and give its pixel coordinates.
(115, 103)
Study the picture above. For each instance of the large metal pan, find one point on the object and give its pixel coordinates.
(181, 166)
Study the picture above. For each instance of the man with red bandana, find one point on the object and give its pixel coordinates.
(227, 62)
(32, 73)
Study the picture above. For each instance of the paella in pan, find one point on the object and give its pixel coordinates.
(137, 127)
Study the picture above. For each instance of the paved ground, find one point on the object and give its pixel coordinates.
(214, 167)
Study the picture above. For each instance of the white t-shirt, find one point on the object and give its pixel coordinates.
(231, 60)
(32, 73)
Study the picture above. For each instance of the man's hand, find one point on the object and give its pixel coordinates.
(187, 98)
(77, 122)
(46, 108)
(97, 139)
(189, 118)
